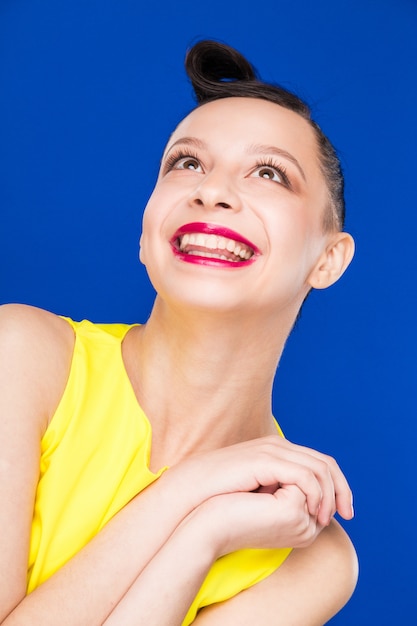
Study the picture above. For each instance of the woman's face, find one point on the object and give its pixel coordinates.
(236, 215)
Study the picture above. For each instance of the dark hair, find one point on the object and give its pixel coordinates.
(218, 71)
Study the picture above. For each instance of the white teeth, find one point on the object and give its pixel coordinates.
(214, 242)
(184, 241)
(211, 242)
(230, 245)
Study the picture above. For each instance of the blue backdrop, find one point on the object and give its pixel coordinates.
(89, 91)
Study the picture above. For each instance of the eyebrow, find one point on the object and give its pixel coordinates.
(254, 148)
(189, 141)
(264, 149)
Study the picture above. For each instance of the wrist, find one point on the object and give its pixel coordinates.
(208, 522)
(199, 531)
(174, 493)
(185, 484)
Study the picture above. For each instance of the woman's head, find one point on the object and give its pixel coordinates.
(243, 173)
(218, 71)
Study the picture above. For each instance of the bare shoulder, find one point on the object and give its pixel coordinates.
(21, 316)
(35, 353)
(23, 319)
(311, 586)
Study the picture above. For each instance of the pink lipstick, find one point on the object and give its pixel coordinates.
(214, 245)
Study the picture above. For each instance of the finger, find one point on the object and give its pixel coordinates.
(287, 473)
(342, 492)
(314, 472)
(308, 526)
(337, 494)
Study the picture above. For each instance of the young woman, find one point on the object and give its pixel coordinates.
(143, 479)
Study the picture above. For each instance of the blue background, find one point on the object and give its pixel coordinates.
(90, 90)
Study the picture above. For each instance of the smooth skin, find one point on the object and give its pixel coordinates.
(233, 482)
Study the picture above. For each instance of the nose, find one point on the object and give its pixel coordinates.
(216, 192)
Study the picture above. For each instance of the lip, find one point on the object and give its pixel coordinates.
(214, 229)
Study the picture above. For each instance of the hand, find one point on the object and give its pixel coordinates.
(266, 464)
(257, 520)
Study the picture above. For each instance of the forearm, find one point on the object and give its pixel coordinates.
(90, 585)
(88, 588)
(166, 588)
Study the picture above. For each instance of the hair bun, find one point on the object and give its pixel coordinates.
(210, 65)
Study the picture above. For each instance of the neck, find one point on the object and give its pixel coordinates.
(205, 379)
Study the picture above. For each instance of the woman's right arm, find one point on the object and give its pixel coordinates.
(35, 355)
(27, 361)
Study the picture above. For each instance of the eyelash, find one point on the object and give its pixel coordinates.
(279, 169)
(174, 157)
(178, 155)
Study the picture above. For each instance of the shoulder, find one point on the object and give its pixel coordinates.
(324, 575)
(327, 570)
(33, 331)
(21, 317)
(35, 353)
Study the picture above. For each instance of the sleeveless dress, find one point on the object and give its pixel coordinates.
(95, 458)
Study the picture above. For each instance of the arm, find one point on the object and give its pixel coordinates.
(164, 591)
(36, 352)
(324, 574)
(309, 588)
(23, 419)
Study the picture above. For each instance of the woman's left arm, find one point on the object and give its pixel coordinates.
(165, 589)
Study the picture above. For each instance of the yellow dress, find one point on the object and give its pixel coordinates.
(95, 459)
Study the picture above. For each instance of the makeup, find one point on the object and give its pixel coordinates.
(212, 244)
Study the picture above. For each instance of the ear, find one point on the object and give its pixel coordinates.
(333, 262)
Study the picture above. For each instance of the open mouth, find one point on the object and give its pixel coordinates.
(214, 247)
(207, 243)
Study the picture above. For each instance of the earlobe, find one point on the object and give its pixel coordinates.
(333, 262)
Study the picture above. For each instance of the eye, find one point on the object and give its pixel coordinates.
(273, 172)
(182, 161)
(188, 163)
(268, 172)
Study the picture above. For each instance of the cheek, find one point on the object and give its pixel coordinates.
(145, 241)
(295, 241)
(154, 217)
(287, 225)
(142, 257)
(146, 230)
